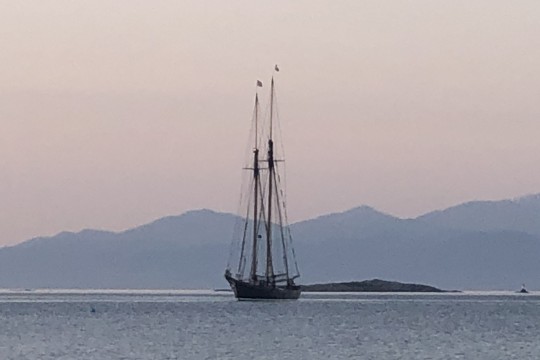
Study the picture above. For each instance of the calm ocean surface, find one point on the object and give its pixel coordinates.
(212, 325)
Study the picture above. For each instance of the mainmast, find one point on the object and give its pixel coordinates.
(253, 273)
(269, 265)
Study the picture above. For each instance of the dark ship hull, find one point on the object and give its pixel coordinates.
(246, 291)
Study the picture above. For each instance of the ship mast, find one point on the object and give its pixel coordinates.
(253, 273)
(265, 220)
(271, 174)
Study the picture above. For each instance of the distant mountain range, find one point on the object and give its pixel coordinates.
(476, 245)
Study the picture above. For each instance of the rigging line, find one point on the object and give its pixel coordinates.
(278, 122)
(293, 253)
(245, 201)
(247, 160)
(241, 263)
(291, 240)
(281, 145)
(288, 243)
(261, 211)
(281, 228)
(262, 192)
(262, 223)
(236, 226)
(284, 184)
(258, 222)
(283, 192)
(283, 168)
(242, 199)
(264, 123)
(236, 231)
(263, 216)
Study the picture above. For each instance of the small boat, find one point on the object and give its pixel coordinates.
(523, 290)
(262, 262)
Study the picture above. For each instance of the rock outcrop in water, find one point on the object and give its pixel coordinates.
(374, 285)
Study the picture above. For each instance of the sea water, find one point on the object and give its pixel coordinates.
(75, 324)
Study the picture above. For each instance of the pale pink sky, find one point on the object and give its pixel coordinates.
(115, 113)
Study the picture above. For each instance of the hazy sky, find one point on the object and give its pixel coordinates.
(115, 113)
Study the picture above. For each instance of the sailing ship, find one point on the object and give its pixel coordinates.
(262, 264)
